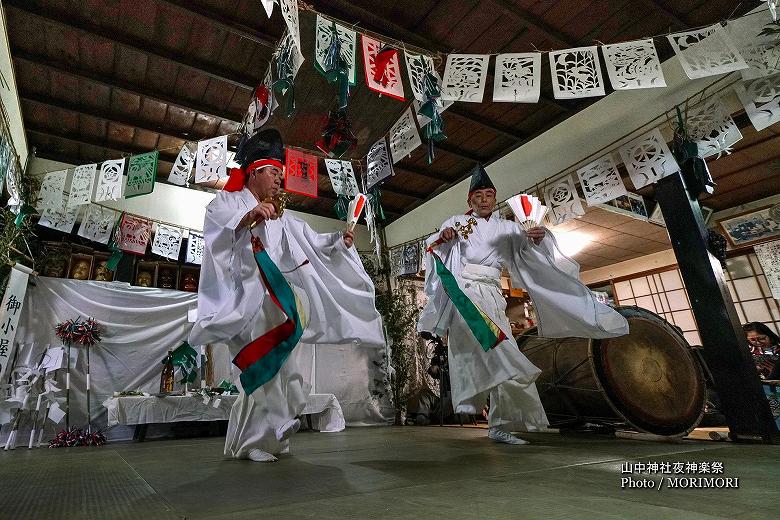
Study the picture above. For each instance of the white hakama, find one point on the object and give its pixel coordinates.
(235, 307)
(565, 307)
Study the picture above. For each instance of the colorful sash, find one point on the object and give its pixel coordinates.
(485, 331)
(261, 360)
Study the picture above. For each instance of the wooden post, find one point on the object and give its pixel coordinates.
(725, 347)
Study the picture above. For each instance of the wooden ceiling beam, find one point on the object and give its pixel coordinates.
(531, 21)
(109, 117)
(214, 18)
(143, 47)
(490, 125)
(137, 90)
(668, 14)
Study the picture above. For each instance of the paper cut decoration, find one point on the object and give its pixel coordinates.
(211, 159)
(518, 77)
(404, 137)
(301, 173)
(379, 164)
(290, 15)
(383, 71)
(713, 129)
(464, 77)
(52, 188)
(563, 200)
(182, 167)
(417, 67)
(268, 5)
(408, 259)
(348, 39)
(98, 224)
(706, 52)
(633, 65)
(61, 218)
(133, 234)
(600, 181)
(761, 99)
(195, 245)
(110, 181)
(167, 242)
(648, 159)
(576, 73)
(81, 185)
(342, 177)
(141, 174)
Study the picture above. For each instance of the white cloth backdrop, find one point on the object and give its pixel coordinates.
(142, 324)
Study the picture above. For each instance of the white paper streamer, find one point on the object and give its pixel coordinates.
(711, 126)
(761, 99)
(61, 218)
(379, 164)
(348, 40)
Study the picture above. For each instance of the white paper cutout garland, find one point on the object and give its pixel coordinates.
(195, 245)
(761, 99)
(417, 66)
(211, 159)
(167, 241)
(576, 73)
(380, 166)
(110, 181)
(706, 52)
(563, 200)
(97, 224)
(61, 218)
(600, 181)
(518, 77)
(464, 77)
(52, 189)
(182, 167)
(342, 177)
(404, 137)
(712, 127)
(648, 159)
(81, 185)
(348, 38)
(633, 65)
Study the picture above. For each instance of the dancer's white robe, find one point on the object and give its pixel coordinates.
(234, 307)
(564, 306)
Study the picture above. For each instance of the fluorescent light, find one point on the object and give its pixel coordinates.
(572, 242)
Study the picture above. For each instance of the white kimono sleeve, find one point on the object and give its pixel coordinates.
(437, 313)
(565, 307)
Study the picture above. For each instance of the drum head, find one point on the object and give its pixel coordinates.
(650, 375)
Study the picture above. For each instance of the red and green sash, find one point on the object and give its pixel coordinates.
(485, 331)
(261, 360)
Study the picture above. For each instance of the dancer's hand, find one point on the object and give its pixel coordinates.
(263, 211)
(536, 234)
(448, 234)
(349, 237)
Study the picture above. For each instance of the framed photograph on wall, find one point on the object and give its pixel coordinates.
(751, 227)
(656, 217)
(630, 204)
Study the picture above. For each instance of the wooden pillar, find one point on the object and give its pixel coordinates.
(725, 348)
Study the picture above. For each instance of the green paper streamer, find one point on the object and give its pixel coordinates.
(23, 212)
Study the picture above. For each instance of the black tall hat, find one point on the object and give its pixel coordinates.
(266, 144)
(480, 180)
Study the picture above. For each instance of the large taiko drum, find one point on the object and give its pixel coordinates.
(648, 379)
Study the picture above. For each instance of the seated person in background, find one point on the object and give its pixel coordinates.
(765, 347)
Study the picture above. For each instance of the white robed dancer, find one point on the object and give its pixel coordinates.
(263, 278)
(462, 282)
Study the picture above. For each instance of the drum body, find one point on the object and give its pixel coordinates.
(649, 379)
